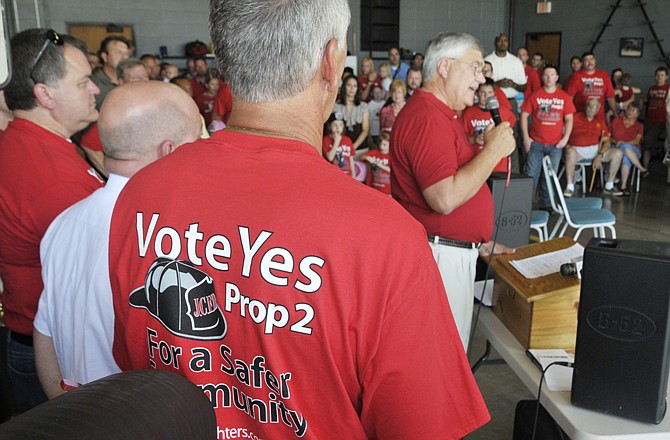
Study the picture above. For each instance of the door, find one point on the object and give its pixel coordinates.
(548, 44)
(93, 34)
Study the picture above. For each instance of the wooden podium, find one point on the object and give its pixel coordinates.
(539, 312)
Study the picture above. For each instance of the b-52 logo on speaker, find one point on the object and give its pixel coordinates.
(182, 298)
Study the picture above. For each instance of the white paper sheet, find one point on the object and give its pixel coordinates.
(545, 264)
(558, 377)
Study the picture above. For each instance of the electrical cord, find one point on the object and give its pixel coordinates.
(539, 391)
(486, 275)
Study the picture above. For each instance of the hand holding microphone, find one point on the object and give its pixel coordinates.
(493, 106)
(500, 138)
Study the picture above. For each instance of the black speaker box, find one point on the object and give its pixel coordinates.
(513, 226)
(621, 356)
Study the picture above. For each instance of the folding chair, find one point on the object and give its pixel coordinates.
(595, 218)
(538, 223)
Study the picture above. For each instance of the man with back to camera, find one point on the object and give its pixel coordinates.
(113, 50)
(52, 97)
(252, 284)
(74, 326)
(440, 177)
(127, 71)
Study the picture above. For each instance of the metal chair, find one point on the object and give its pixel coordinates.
(582, 164)
(573, 203)
(579, 218)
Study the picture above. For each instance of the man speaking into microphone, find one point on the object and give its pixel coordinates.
(440, 177)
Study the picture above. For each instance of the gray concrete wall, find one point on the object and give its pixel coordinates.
(580, 21)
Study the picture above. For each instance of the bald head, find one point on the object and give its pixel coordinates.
(143, 121)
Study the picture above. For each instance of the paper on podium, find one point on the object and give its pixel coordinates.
(548, 263)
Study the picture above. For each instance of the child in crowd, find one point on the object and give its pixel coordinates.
(169, 72)
(385, 78)
(624, 94)
(338, 148)
(380, 160)
(374, 108)
(205, 102)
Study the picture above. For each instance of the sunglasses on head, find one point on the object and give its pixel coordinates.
(52, 37)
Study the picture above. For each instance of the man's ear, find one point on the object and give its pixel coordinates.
(103, 57)
(331, 68)
(42, 93)
(166, 147)
(443, 67)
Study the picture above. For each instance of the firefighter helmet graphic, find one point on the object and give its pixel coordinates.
(182, 298)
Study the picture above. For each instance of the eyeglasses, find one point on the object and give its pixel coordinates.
(476, 66)
(53, 37)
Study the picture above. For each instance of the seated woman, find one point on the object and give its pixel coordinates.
(627, 136)
(390, 112)
(354, 111)
(368, 79)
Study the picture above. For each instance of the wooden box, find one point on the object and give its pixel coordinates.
(540, 312)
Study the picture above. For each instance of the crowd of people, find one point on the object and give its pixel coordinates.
(247, 259)
(550, 122)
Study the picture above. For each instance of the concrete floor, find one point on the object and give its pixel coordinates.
(641, 216)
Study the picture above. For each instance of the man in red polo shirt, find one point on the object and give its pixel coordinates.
(439, 176)
(588, 133)
(41, 174)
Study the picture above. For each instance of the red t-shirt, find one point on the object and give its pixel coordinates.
(223, 104)
(586, 133)
(548, 112)
(41, 174)
(205, 106)
(583, 86)
(381, 179)
(624, 94)
(622, 133)
(280, 302)
(91, 139)
(502, 99)
(475, 121)
(656, 104)
(197, 87)
(345, 149)
(533, 82)
(429, 144)
(363, 83)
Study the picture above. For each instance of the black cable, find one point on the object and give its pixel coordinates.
(486, 276)
(539, 391)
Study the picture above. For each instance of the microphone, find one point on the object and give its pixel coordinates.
(493, 106)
